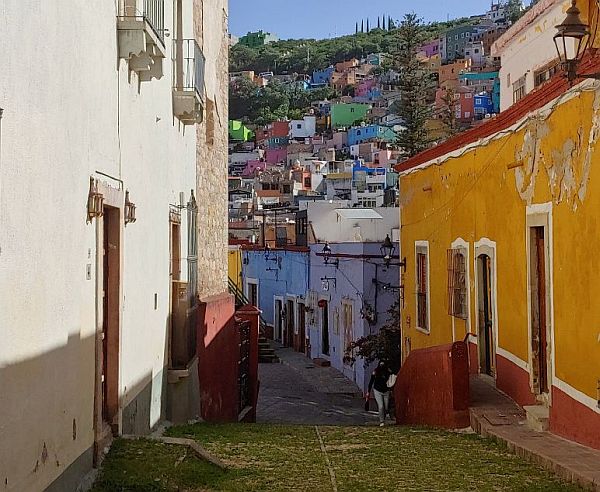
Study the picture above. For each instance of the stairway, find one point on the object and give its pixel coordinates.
(538, 417)
(266, 354)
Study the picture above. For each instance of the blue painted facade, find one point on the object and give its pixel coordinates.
(277, 272)
(322, 77)
(483, 104)
(351, 283)
(365, 133)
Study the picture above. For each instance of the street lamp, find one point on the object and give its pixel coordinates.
(571, 41)
(327, 256)
(387, 252)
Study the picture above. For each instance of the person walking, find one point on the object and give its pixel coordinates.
(379, 385)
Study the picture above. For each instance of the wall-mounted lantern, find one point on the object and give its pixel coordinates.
(387, 253)
(571, 41)
(95, 203)
(129, 210)
(327, 256)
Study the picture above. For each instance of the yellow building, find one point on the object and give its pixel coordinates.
(500, 228)
(234, 265)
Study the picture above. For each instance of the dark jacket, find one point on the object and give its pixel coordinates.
(379, 379)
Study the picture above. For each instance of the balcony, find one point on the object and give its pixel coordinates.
(188, 81)
(141, 35)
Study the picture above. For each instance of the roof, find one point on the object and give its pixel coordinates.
(268, 193)
(529, 18)
(357, 213)
(532, 101)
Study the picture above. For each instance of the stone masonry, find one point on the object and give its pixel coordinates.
(210, 20)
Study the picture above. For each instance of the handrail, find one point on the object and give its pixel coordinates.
(242, 300)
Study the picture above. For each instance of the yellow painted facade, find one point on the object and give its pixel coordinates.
(234, 265)
(545, 166)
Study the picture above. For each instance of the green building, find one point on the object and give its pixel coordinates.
(345, 115)
(239, 132)
(257, 39)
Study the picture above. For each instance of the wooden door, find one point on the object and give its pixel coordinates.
(486, 318)
(302, 328)
(325, 329)
(539, 327)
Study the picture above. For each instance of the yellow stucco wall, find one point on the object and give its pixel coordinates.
(481, 194)
(234, 265)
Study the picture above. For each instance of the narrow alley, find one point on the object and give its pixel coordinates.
(297, 391)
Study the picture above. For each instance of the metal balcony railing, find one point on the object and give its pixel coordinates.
(188, 69)
(152, 11)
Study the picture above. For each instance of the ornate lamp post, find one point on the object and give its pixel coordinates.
(571, 40)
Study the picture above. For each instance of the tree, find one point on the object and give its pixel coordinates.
(447, 112)
(414, 84)
(382, 346)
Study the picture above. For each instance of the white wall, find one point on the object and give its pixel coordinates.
(527, 46)
(72, 108)
(329, 226)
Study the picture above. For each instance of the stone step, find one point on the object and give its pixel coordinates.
(268, 359)
(538, 417)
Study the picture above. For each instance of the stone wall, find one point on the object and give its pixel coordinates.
(210, 20)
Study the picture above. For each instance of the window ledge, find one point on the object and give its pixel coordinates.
(423, 330)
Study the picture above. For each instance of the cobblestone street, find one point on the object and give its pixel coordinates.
(299, 392)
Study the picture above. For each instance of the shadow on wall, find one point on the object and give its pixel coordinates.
(219, 359)
(47, 416)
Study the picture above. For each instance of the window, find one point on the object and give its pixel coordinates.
(544, 74)
(422, 284)
(456, 37)
(299, 126)
(457, 283)
(519, 89)
(477, 100)
(467, 114)
(352, 110)
(476, 50)
(468, 95)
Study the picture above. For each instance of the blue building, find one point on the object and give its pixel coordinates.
(352, 300)
(322, 77)
(276, 281)
(365, 133)
(483, 105)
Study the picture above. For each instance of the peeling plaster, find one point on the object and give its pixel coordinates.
(568, 174)
(530, 155)
(592, 138)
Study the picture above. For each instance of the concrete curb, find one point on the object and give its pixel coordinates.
(198, 450)
(588, 481)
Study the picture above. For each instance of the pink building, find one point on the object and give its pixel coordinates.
(338, 141)
(363, 89)
(275, 156)
(252, 167)
(431, 48)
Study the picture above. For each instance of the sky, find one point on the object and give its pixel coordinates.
(329, 18)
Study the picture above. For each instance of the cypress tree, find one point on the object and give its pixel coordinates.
(368, 25)
(415, 86)
(362, 26)
(378, 23)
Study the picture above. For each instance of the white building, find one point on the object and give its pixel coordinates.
(304, 128)
(527, 51)
(103, 110)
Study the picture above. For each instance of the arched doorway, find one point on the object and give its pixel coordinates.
(486, 329)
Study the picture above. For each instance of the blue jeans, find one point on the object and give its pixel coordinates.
(383, 404)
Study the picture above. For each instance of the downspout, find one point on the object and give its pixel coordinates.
(179, 47)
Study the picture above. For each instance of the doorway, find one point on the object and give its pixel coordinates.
(325, 327)
(487, 347)
(107, 357)
(278, 320)
(539, 303)
(301, 328)
(289, 328)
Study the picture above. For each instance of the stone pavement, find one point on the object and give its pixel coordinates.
(495, 415)
(298, 392)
